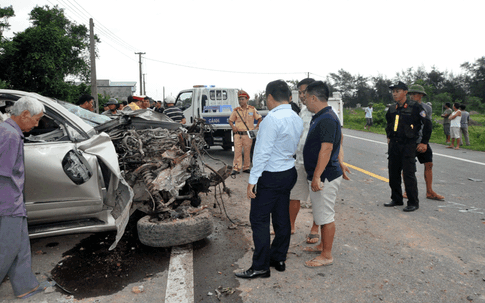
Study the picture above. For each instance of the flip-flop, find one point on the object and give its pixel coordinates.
(311, 236)
(322, 263)
(435, 198)
(42, 286)
(310, 249)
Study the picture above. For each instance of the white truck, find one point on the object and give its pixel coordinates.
(215, 105)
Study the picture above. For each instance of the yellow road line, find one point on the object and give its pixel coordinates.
(367, 173)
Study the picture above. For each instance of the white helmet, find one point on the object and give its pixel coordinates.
(170, 100)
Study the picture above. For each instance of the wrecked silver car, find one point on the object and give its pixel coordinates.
(87, 172)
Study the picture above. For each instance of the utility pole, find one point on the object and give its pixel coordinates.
(308, 75)
(144, 86)
(94, 85)
(141, 82)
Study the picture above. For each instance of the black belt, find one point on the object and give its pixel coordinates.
(401, 140)
(241, 133)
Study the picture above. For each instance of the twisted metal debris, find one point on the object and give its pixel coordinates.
(164, 167)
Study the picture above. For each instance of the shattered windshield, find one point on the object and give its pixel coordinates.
(89, 117)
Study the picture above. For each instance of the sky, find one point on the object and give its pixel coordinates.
(246, 44)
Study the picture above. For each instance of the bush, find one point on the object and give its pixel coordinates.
(379, 115)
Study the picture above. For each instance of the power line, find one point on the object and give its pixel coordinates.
(107, 30)
(219, 70)
(107, 34)
(102, 31)
(317, 75)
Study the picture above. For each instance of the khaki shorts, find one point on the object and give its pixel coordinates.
(323, 201)
(300, 190)
(455, 132)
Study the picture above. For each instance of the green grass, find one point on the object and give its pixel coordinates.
(355, 119)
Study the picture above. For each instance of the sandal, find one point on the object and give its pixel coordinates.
(312, 238)
(310, 249)
(42, 286)
(320, 263)
(435, 197)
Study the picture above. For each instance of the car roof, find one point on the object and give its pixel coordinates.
(53, 105)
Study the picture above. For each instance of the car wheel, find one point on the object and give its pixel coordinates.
(175, 232)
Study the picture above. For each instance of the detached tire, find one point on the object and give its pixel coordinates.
(177, 232)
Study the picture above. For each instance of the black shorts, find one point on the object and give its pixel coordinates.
(425, 157)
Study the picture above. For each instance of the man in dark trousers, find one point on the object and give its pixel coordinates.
(275, 175)
(417, 93)
(404, 121)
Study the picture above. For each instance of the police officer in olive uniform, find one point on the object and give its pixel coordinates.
(404, 120)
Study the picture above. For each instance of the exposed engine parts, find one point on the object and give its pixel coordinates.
(164, 167)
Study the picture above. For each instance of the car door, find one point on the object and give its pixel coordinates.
(61, 182)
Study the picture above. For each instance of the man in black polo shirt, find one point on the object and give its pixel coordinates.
(321, 156)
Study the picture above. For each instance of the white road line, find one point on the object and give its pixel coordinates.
(180, 281)
(434, 154)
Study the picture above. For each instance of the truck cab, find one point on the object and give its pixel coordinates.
(214, 105)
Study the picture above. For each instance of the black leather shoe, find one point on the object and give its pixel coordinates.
(410, 208)
(251, 274)
(235, 172)
(247, 171)
(278, 265)
(393, 203)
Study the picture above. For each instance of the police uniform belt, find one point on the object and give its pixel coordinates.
(242, 133)
(402, 140)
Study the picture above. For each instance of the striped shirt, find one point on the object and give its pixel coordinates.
(174, 113)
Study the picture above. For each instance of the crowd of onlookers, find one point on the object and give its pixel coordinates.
(113, 106)
(455, 121)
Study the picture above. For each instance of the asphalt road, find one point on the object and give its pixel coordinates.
(436, 254)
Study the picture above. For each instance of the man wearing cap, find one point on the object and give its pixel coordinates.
(417, 92)
(173, 112)
(112, 105)
(133, 103)
(404, 121)
(241, 120)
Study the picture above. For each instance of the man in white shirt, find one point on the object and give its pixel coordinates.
(368, 116)
(275, 175)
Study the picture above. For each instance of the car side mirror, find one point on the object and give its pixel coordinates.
(76, 167)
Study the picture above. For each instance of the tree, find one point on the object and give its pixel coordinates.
(475, 78)
(260, 100)
(354, 89)
(5, 13)
(47, 57)
(292, 84)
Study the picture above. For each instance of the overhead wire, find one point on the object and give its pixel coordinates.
(104, 32)
(224, 71)
(107, 30)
